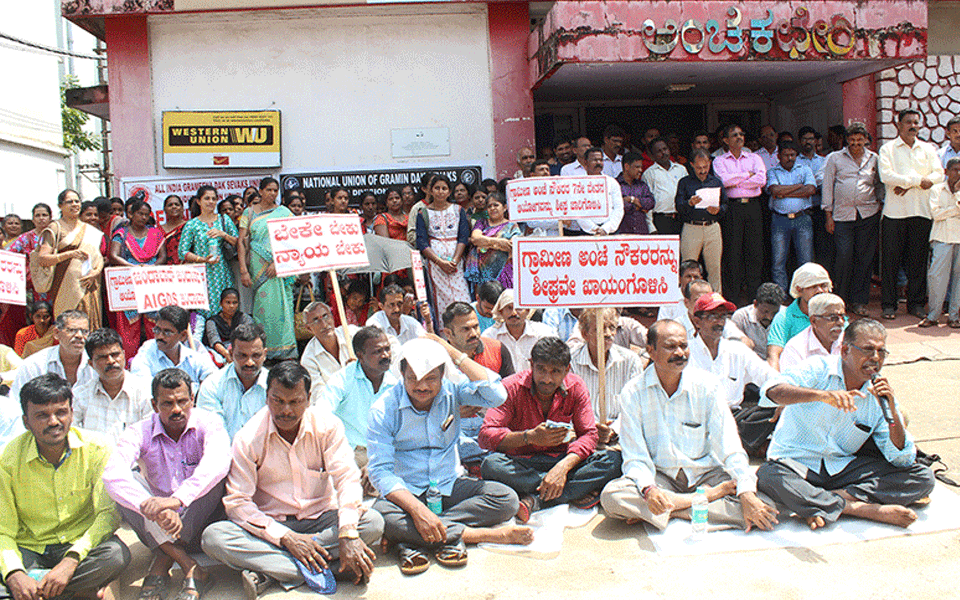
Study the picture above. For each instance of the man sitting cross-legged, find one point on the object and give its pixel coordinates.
(545, 435)
(677, 434)
(833, 452)
(54, 511)
(412, 439)
(184, 454)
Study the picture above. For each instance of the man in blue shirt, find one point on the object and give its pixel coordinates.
(167, 349)
(823, 244)
(412, 444)
(238, 390)
(834, 451)
(790, 186)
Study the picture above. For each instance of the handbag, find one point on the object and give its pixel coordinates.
(228, 250)
(301, 331)
(41, 276)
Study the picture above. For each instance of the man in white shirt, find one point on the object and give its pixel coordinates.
(327, 351)
(578, 167)
(594, 166)
(516, 332)
(677, 433)
(168, 349)
(67, 359)
(823, 337)
(612, 145)
(662, 178)
(115, 399)
(908, 169)
(768, 147)
(754, 320)
(390, 318)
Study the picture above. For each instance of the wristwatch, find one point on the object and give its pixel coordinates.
(349, 534)
(460, 359)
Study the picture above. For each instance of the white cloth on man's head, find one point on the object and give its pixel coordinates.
(423, 355)
(807, 275)
(505, 299)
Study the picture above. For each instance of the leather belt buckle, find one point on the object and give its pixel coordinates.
(792, 215)
(745, 200)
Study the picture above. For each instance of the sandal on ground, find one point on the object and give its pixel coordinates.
(254, 584)
(889, 314)
(954, 323)
(413, 561)
(590, 500)
(859, 310)
(154, 587)
(452, 555)
(194, 589)
(927, 323)
(529, 504)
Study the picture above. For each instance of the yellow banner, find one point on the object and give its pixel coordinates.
(221, 132)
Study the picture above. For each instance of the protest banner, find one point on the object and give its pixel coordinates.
(120, 294)
(556, 198)
(316, 243)
(180, 285)
(13, 278)
(419, 280)
(156, 189)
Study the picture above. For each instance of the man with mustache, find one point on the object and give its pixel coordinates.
(677, 433)
(168, 349)
(114, 400)
(184, 454)
(833, 452)
(238, 390)
(755, 319)
(516, 332)
(390, 318)
(54, 511)
(351, 391)
(822, 338)
(908, 168)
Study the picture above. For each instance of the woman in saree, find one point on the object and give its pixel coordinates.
(173, 227)
(272, 295)
(13, 316)
(72, 248)
(202, 243)
(489, 259)
(393, 222)
(443, 232)
(136, 244)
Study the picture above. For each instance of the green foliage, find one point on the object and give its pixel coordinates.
(75, 138)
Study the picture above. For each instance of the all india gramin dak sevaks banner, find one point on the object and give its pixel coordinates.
(221, 139)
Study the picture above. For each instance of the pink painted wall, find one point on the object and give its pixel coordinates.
(859, 103)
(513, 125)
(131, 93)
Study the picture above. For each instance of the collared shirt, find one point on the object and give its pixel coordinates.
(687, 188)
(94, 409)
(946, 214)
(770, 159)
(804, 345)
(574, 168)
(561, 320)
(852, 187)
(224, 395)
(185, 469)
(812, 434)
(520, 349)
(735, 365)
(614, 206)
(691, 430)
(735, 173)
(904, 166)
(612, 167)
(349, 395)
(946, 152)
(46, 361)
(621, 366)
(635, 219)
(663, 183)
(409, 448)
(150, 360)
(678, 312)
(410, 328)
(522, 411)
(788, 323)
(321, 364)
(745, 318)
(799, 174)
(271, 479)
(815, 164)
(42, 504)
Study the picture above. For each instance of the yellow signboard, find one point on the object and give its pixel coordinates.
(223, 139)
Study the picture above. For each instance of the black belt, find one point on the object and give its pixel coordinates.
(702, 223)
(745, 200)
(794, 215)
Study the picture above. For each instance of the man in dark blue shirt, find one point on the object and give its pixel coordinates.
(700, 217)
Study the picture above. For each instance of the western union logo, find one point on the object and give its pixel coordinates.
(220, 136)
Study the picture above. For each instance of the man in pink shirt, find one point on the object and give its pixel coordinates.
(293, 494)
(743, 175)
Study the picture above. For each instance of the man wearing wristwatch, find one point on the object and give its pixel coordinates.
(293, 494)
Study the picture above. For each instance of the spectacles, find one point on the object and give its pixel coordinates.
(882, 352)
(831, 318)
(72, 331)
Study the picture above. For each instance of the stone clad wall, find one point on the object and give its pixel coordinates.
(930, 86)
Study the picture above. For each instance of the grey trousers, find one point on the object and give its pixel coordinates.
(867, 478)
(471, 503)
(621, 499)
(101, 566)
(194, 518)
(238, 548)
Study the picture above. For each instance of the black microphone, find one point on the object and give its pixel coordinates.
(884, 403)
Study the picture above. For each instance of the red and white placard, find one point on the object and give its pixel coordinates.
(172, 285)
(555, 198)
(13, 278)
(317, 243)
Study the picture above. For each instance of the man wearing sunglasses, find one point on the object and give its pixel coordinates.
(840, 447)
(822, 338)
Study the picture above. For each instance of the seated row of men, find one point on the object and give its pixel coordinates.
(292, 486)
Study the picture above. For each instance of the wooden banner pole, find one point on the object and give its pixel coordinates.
(343, 314)
(601, 366)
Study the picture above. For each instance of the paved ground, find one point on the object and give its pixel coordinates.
(606, 559)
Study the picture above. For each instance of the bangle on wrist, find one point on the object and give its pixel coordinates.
(646, 491)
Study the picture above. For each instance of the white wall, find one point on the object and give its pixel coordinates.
(818, 104)
(342, 78)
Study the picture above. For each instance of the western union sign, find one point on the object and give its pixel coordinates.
(202, 139)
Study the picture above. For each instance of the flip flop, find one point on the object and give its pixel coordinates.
(154, 587)
(413, 561)
(528, 504)
(452, 555)
(590, 500)
(194, 589)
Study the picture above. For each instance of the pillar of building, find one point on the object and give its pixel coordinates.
(860, 104)
(131, 96)
(513, 124)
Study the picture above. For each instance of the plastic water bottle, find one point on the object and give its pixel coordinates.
(698, 513)
(434, 498)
